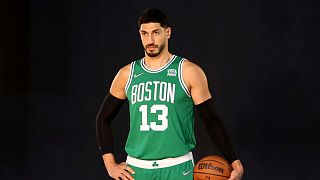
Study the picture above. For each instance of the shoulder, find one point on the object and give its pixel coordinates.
(191, 68)
(196, 81)
(117, 88)
(122, 75)
(125, 70)
(193, 73)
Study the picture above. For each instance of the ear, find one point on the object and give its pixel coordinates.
(168, 32)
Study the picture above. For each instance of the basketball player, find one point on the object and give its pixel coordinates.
(162, 90)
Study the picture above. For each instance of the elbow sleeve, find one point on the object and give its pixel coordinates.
(108, 110)
(216, 129)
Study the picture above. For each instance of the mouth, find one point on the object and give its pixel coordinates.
(152, 47)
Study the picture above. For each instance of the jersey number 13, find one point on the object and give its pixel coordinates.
(161, 117)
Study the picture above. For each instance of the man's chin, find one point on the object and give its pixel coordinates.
(152, 54)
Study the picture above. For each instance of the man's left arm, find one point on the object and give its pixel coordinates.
(197, 84)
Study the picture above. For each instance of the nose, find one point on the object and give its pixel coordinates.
(150, 39)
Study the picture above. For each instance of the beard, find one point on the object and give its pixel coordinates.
(154, 53)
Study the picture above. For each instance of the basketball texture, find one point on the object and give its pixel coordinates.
(212, 168)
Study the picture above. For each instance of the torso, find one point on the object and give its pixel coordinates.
(161, 111)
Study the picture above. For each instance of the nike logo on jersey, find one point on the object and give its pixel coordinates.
(186, 173)
(137, 75)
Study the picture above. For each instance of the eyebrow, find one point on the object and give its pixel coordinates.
(151, 31)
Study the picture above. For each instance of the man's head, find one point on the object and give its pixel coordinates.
(153, 15)
(154, 31)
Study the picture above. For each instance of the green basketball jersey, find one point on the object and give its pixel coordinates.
(161, 112)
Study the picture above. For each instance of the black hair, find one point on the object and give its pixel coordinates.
(153, 15)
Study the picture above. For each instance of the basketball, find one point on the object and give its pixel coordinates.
(212, 168)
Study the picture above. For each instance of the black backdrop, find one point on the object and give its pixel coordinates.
(58, 58)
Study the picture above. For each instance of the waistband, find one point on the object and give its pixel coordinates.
(162, 163)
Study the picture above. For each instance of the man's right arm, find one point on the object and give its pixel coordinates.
(110, 107)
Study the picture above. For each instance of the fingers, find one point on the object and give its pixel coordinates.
(126, 172)
(126, 176)
(127, 168)
(121, 172)
(235, 175)
(130, 170)
(237, 172)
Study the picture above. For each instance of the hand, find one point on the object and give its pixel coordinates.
(237, 171)
(120, 171)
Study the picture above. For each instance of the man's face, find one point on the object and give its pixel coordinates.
(154, 38)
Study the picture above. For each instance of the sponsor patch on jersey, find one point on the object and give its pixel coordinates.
(172, 72)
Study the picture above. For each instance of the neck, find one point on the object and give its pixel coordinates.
(158, 61)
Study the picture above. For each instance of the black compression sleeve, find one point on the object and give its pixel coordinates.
(108, 110)
(216, 129)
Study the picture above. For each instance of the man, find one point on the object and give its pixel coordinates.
(162, 90)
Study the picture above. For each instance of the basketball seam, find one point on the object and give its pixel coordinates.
(210, 174)
(218, 162)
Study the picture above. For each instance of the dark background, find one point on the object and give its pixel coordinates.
(58, 58)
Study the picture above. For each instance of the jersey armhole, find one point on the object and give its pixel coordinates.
(130, 76)
(180, 72)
